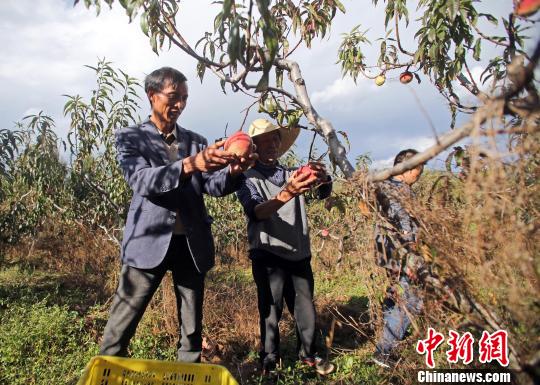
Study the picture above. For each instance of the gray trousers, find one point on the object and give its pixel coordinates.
(135, 290)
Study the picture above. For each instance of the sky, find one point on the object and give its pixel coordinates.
(46, 44)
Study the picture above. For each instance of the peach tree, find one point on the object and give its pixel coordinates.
(252, 40)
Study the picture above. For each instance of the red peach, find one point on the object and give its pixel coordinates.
(527, 7)
(307, 170)
(405, 77)
(239, 143)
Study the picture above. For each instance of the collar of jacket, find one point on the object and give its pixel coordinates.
(156, 141)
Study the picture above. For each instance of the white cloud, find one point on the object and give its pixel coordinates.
(339, 89)
(419, 143)
(382, 163)
(53, 42)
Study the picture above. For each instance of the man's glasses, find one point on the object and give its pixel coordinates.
(174, 98)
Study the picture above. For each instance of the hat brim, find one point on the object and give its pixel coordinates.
(288, 137)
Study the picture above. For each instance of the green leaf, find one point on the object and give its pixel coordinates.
(451, 8)
(153, 43)
(199, 41)
(490, 18)
(340, 6)
(201, 68)
(234, 41)
(218, 21)
(383, 47)
(262, 85)
(279, 77)
(222, 83)
(477, 49)
(432, 35)
(227, 5)
(144, 23)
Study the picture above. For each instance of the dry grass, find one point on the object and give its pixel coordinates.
(480, 234)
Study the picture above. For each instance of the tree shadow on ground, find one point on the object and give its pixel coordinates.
(26, 287)
(347, 326)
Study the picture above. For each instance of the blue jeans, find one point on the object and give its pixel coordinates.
(396, 320)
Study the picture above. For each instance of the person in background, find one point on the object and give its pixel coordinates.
(396, 235)
(279, 245)
(167, 228)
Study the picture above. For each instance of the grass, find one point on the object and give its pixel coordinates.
(42, 339)
(55, 291)
(47, 336)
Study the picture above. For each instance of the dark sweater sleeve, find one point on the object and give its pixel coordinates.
(249, 197)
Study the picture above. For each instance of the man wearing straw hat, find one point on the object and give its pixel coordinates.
(279, 246)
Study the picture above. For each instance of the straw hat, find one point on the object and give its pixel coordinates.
(263, 126)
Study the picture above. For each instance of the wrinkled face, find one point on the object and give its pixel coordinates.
(268, 146)
(410, 177)
(168, 104)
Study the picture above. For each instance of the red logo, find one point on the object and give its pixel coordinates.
(429, 345)
(460, 347)
(491, 347)
(494, 347)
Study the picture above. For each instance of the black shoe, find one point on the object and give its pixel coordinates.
(268, 369)
(383, 360)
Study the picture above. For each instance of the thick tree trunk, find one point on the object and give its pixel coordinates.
(322, 126)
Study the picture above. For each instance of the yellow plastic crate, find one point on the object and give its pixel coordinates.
(109, 370)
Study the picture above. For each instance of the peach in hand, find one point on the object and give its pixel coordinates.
(239, 144)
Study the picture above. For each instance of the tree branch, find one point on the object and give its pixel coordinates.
(445, 141)
(488, 38)
(398, 39)
(493, 107)
(184, 46)
(323, 126)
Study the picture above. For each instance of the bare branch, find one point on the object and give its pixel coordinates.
(485, 37)
(445, 141)
(294, 48)
(184, 46)
(398, 39)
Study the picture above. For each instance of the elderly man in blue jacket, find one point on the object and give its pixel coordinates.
(167, 227)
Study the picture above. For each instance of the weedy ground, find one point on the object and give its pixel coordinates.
(56, 287)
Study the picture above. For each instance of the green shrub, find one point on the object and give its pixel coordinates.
(43, 345)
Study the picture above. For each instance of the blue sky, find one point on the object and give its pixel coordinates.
(47, 43)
